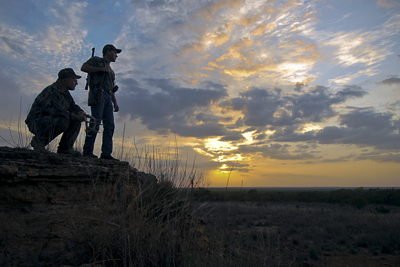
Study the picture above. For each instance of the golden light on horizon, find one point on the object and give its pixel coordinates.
(214, 145)
(310, 127)
(202, 152)
(224, 167)
(237, 157)
(249, 137)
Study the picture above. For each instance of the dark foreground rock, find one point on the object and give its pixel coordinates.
(44, 198)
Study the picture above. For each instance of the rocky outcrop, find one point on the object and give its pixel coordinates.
(44, 198)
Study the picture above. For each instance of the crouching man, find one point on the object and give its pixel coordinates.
(54, 112)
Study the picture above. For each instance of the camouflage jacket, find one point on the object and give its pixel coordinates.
(53, 101)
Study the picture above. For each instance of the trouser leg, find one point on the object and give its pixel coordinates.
(47, 128)
(69, 136)
(108, 126)
(90, 139)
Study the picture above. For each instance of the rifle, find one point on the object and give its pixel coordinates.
(88, 76)
(90, 119)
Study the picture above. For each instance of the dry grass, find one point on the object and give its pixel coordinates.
(291, 234)
(128, 223)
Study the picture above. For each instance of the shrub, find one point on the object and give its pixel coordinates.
(382, 210)
(359, 203)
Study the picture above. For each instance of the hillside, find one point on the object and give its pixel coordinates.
(45, 199)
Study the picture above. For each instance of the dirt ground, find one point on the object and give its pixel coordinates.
(348, 260)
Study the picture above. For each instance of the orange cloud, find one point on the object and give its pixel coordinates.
(241, 71)
(195, 61)
(200, 75)
(198, 46)
(306, 81)
(206, 68)
(215, 65)
(241, 44)
(307, 53)
(234, 50)
(223, 57)
(289, 4)
(262, 28)
(248, 20)
(270, 9)
(387, 4)
(213, 7)
(221, 39)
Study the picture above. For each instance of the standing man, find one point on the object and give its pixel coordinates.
(102, 100)
(54, 112)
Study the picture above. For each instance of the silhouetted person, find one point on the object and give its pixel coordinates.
(54, 112)
(102, 101)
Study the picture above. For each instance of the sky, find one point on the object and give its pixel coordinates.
(253, 93)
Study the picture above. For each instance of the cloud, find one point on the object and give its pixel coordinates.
(386, 158)
(340, 159)
(387, 4)
(235, 166)
(14, 41)
(56, 44)
(207, 29)
(346, 79)
(13, 45)
(211, 8)
(184, 111)
(262, 28)
(343, 17)
(232, 136)
(363, 48)
(355, 48)
(360, 127)
(261, 107)
(363, 127)
(275, 151)
(394, 106)
(393, 80)
(11, 94)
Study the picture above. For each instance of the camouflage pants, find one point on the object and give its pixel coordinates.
(47, 128)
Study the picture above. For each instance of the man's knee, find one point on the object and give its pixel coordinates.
(61, 124)
(109, 126)
(48, 124)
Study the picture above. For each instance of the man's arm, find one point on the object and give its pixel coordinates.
(114, 100)
(76, 113)
(90, 69)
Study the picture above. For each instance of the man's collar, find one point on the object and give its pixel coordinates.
(58, 85)
(106, 60)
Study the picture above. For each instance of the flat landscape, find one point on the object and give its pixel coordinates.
(303, 233)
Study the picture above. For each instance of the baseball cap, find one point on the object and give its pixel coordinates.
(66, 73)
(108, 47)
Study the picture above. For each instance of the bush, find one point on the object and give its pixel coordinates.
(359, 203)
(382, 210)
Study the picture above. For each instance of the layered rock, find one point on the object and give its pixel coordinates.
(44, 198)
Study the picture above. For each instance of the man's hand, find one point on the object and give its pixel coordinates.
(81, 116)
(106, 69)
(114, 100)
